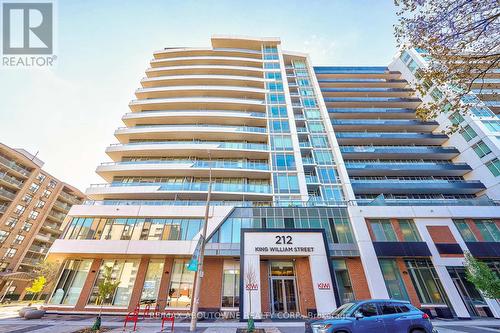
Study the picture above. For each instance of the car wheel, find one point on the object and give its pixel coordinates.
(417, 331)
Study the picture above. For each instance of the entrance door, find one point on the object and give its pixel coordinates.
(283, 289)
(283, 295)
(469, 294)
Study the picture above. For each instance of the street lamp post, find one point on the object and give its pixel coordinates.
(199, 272)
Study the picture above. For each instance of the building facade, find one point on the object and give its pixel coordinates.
(325, 189)
(33, 205)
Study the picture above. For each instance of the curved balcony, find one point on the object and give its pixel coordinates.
(399, 152)
(207, 60)
(416, 186)
(366, 92)
(393, 113)
(190, 103)
(179, 191)
(202, 132)
(174, 168)
(389, 102)
(228, 52)
(205, 69)
(384, 124)
(201, 90)
(221, 80)
(225, 117)
(368, 138)
(406, 169)
(190, 148)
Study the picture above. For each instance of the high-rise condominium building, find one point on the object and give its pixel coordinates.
(33, 205)
(326, 188)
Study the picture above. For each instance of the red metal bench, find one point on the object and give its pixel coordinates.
(132, 317)
(168, 317)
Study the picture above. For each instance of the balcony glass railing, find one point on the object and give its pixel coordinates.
(225, 112)
(410, 165)
(374, 89)
(221, 144)
(370, 99)
(57, 216)
(403, 149)
(281, 203)
(402, 181)
(7, 194)
(406, 122)
(308, 160)
(200, 126)
(311, 179)
(3, 208)
(370, 110)
(352, 70)
(201, 164)
(69, 197)
(14, 166)
(197, 186)
(394, 135)
(10, 180)
(62, 205)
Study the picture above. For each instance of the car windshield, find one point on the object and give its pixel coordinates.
(343, 310)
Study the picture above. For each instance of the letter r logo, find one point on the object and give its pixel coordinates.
(27, 28)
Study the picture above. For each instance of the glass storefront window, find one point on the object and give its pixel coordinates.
(70, 283)
(465, 231)
(231, 284)
(152, 280)
(409, 231)
(180, 290)
(426, 281)
(133, 229)
(393, 280)
(343, 231)
(489, 230)
(124, 271)
(383, 231)
(343, 280)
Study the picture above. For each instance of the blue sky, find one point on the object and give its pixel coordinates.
(69, 113)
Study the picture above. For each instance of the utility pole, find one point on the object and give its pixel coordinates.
(199, 272)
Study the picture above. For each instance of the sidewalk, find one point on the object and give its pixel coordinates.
(69, 324)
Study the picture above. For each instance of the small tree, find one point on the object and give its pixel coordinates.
(250, 282)
(36, 286)
(479, 274)
(105, 288)
(49, 270)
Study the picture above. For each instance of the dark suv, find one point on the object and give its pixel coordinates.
(375, 316)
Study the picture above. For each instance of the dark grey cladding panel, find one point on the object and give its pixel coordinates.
(401, 249)
(449, 248)
(484, 249)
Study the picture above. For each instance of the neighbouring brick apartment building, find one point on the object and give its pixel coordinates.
(326, 188)
(33, 205)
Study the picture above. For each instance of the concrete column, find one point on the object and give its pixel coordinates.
(164, 283)
(252, 263)
(87, 286)
(452, 292)
(375, 279)
(138, 284)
